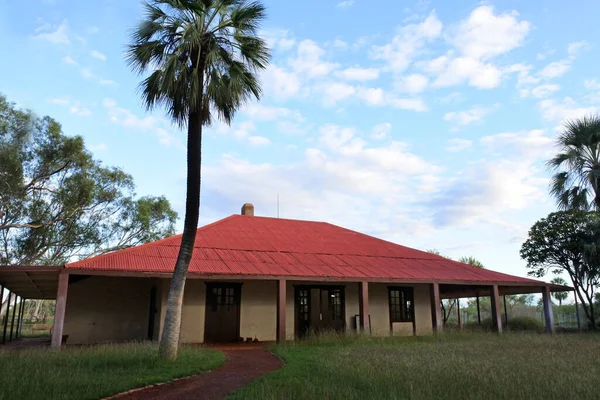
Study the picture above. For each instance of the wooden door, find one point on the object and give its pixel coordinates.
(319, 309)
(222, 316)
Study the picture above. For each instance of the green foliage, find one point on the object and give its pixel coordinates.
(567, 241)
(57, 202)
(515, 324)
(471, 261)
(446, 366)
(203, 56)
(576, 184)
(94, 372)
(559, 296)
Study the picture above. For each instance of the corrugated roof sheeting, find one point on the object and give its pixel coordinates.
(243, 245)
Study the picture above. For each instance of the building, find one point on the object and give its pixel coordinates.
(262, 278)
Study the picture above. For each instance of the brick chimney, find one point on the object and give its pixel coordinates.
(248, 209)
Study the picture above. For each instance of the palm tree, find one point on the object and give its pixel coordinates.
(203, 57)
(559, 296)
(576, 183)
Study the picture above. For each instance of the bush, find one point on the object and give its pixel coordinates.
(516, 324)
(524, 324)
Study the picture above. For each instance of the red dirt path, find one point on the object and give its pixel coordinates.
(242, 365)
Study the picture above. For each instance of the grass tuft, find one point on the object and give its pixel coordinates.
(96, 371)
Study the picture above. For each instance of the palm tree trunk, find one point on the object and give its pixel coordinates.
(169, 341)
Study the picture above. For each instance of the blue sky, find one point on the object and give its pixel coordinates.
(425, 123)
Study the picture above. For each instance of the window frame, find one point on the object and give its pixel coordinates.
(409, 295)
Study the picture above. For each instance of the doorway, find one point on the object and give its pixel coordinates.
(222, 315)
(319, 309)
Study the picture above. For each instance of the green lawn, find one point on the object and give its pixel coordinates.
(469, 366)
(94, 372)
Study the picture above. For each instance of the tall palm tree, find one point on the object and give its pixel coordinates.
(576, 183)
(559, 296)
(203, 57)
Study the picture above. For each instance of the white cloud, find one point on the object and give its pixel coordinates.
(372, 96)
(457, 144)
(409, 41)
(98, 55)
(339, 44)
(592, 84)
(52, 33)
(377, 97)
(484, 34)
(290, 128)
(345, 4)
(87, 73)
(336, 91)
(413, 83)
(278, 39)
(280, 83)
(532, 144)
(540, 91)
(381, 131)
(470, 70)
(453, 97)
(477, 40)
(69, 60)
(486, 190)
(543, 55)
(575, 48)
(243, 129)
(309, 60)
(467, 117)
(260, 112)
(127, 119)
(555, 69)
(107, 82)
(259, 141)
(408, 104)
(358, 74)
(74, 107)
(562, 111)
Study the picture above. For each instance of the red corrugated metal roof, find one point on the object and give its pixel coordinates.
(243, 245)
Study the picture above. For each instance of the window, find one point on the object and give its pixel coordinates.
(335, 304)
(303, 305)
(401, 304)
(222, 298)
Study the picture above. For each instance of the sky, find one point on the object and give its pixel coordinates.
(426, 123)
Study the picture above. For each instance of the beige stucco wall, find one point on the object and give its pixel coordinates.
(101, 309)
(192, 314)
(116, 309)
(380, 314)
(258, 315)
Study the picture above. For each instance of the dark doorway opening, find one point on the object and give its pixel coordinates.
(222, 316)
(319, 309)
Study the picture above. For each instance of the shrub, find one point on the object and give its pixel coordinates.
(516, 324)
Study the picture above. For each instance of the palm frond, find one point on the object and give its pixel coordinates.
(202, 56)
(576, 182)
